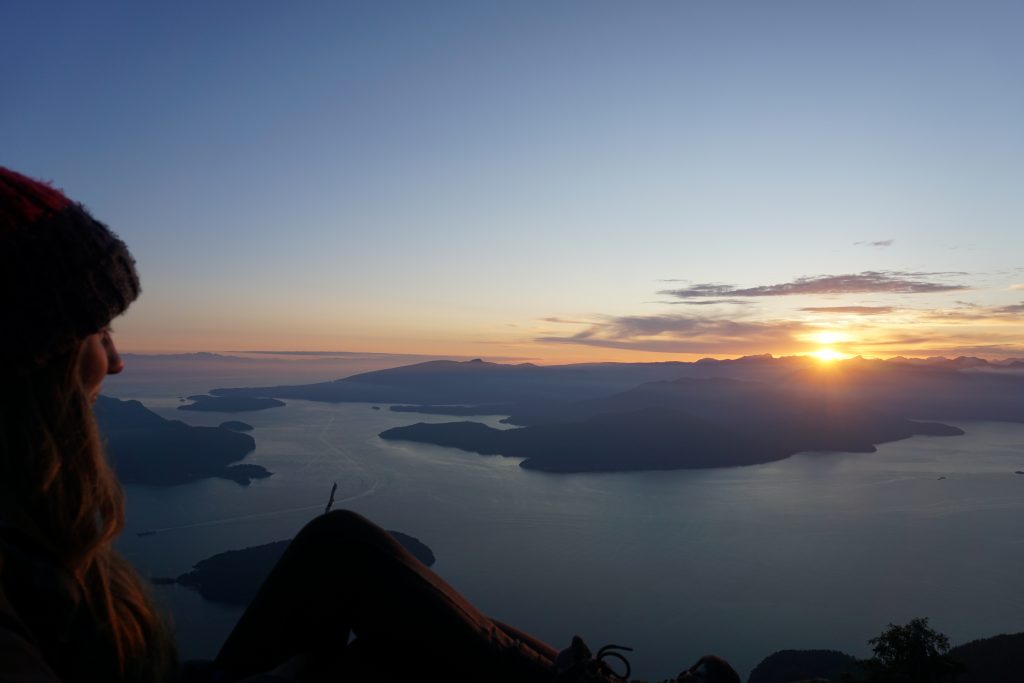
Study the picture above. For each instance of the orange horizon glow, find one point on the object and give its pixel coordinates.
(511, 353)
(829, 355)
(523, 342)
(778, 328)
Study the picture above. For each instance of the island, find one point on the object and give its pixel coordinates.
(685, 424)
(235, 576)
(229, 404)
(804, 665)
(997, 658)
(652, 440)
(236, 426)
(145, 448)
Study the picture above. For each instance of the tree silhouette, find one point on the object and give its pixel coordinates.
(911, 653)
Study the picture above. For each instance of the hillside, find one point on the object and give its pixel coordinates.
(147, 449)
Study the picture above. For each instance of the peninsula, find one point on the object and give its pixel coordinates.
(147, 449)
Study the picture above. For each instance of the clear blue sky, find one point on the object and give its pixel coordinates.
(519, 178)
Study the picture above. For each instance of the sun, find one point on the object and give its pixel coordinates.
(828, 355)
(829, 337)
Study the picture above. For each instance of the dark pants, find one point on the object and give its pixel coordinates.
(343, 574)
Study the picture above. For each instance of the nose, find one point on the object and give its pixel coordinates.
(114, 362)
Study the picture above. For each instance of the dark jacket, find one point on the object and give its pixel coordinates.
(47, 634)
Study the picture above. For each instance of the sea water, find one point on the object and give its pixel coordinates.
(815, 551)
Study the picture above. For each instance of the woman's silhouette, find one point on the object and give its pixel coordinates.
(345, 602)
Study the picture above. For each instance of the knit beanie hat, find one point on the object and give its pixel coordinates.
(63, 274)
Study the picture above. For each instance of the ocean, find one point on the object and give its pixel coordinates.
(821, 550)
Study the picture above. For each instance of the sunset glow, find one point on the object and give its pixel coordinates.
(829, 355)
(692, 326)
(828, 337)
(541, 201)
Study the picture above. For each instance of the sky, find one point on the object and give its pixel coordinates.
(544, 181)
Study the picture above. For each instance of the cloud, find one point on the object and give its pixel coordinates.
(563, 321)
(889, 281)
(975, 313)
(1017, 287)
(850, 310)
(685, 334)
(312, 356)
(951, 348)
(709, 302)
(904, 340)
(879, 243)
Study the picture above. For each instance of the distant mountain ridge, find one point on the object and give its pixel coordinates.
(478, 381)
(672, 415)
(444, 382)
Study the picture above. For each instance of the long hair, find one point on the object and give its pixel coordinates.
(58, 483)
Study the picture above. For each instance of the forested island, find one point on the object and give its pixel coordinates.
(659, 439)
(683, 424)
(144, 448)
(234, 576)
(907, 653)
(236, 426)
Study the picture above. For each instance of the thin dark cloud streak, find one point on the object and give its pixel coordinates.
(868, 282)
(563, 321)
(893, 341)
(879, 243)
(975, 313)
(850, 310)
(708, 302)
(684, 334)
(264, 354)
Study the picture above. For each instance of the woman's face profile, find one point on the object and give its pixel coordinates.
(99, 358)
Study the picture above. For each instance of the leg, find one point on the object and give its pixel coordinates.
(529, 640)
(344, 573)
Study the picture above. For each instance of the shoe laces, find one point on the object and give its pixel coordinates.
(610, 651)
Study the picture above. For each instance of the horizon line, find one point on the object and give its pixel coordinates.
(356, 355)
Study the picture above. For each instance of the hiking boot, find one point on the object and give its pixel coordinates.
(576, 664)
(709, 669)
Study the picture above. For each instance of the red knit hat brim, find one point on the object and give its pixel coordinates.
(63, 274)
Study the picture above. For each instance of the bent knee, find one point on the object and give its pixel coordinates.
(338, 525)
